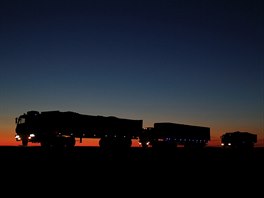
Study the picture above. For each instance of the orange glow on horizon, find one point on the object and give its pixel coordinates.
(9, 140)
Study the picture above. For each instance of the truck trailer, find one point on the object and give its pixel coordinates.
(238, 140)
(60, 129)
(166, 134)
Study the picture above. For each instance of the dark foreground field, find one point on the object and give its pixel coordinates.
(93, 154)
(140, 165)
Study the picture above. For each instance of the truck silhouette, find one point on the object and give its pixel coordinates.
(238, 139)
(60, 129)
(166, 134)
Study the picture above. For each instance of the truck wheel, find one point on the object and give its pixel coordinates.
(24, 142)
(45, 144)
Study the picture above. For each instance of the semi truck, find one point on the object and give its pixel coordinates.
(60, 129)
(167, 134)
(238, 139)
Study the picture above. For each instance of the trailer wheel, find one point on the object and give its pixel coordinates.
(70, 142)
(104, 143)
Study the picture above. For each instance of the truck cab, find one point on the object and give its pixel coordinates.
(238, 140)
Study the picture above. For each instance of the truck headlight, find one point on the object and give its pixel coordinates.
(18, 138)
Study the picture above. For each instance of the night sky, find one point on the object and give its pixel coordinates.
(197, 62)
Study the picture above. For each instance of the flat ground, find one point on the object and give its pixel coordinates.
(141, 165)
(89, 169)
(83, 154)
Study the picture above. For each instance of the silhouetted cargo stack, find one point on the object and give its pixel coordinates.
(59, 129)
(173, 134)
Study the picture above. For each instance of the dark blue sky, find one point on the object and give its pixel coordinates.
(195, 62)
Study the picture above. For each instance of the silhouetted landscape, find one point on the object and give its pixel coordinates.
(185, 74)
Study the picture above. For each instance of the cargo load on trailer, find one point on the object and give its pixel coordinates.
(175, 134)
(60, 129)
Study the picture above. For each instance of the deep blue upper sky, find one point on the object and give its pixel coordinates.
(188, 61)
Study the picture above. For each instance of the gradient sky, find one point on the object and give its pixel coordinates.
(197, 62)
